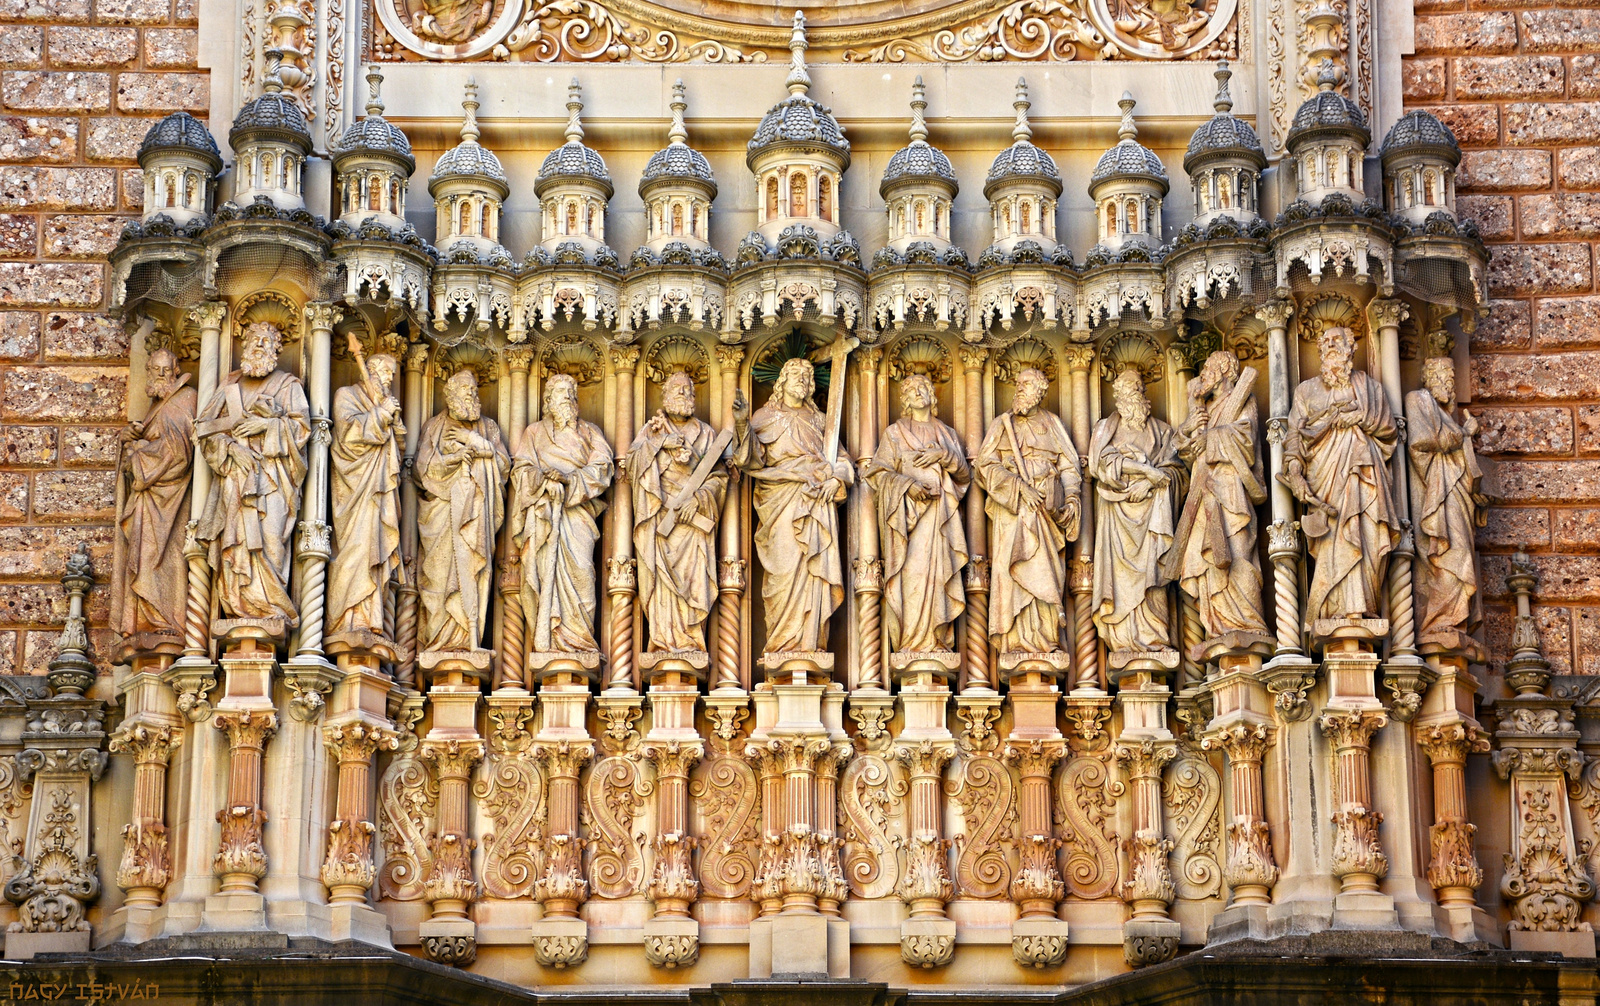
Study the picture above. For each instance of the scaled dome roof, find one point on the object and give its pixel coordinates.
(180, 131)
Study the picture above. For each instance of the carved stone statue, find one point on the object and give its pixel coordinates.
(1133, 458)
(797, 492)
(920, 474)
(148, 597)
(563, 467)
(677, 497)
(1214, 555)
(253, 434)
(1446, 506)
(461, 469)
(448, 21)
(1340, 438)
(368, 437)
(1028, 467)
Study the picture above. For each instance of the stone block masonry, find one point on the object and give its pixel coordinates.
(80, 83)
(1517, 82)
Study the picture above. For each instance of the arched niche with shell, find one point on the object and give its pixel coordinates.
(1030, 352)
(1319, 311)
(929, 355)
(665, 355)
(274, 308)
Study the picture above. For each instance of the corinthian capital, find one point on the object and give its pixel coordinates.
(1387, 313)
(1275, 313)
(321, 317)
(209, 314)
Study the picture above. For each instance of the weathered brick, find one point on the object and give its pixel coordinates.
(57, 188)
(51, 283)
(71, 335)
(1496, 170)
(132, 11)
(1588, 429)
(171, 48)
(1567, 215)
(39, 648)
(37, 139)
(1564, 481)
(114, 139)
(81, 235)
(1577, 530)
(1584, 78)
(1543, 269)
(1530, 124)
(1422, 79)
(74, 496)
(8, 652)
(57, 11)
(1586, 640)
(1555, 634)
(21, 47)
(163, 92)
(1546, 377)
(1476, 32)
(1525, 431)
(56, 90)
(1579, 167)
(1473, 125)
(40, 552)
(93, 47)
(89, 446)
(1560, 30)
(1510, 77)
(1515, 527)
(1492, 214)
(27, 446)
(1506, 327)
(1565, 322)
(32, 604)
(13, 497)
(132, 189)
(70, 394)
(186, 12)
(19, 335)
(19, 235)
(1438, 6)
(1561, 577)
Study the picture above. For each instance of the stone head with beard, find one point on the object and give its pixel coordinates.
(677, 396)
(797, 381)
(263, 342)
(461, 397)
(1337, 347)
(1031, 386)
(1219, 374)
(1439, 377)
(384, 370)
(1128, 393)
(161, 376)
(561, 401)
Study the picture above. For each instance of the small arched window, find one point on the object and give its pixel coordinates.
(797, 195)
(825, 198)
(772, 198)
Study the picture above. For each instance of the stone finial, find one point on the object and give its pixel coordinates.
(574, 111)
(374, 82)
(1328, 76)
(1021, 132)
(469, 104)
(1223, 102)
(1128, 131)
(71, 672)
(799, 78)
(1527, 672)
(919, 106)
(678, 133)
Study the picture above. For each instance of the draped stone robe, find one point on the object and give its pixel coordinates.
(556, 538)
(250, 515)
(1348, 469)
(1444, 476)
(1028, 583)
(797, 538)
(366, 510)
(677, 568)
(1132, 537)
(459, 512)
(150, 597)
(1214, 555)
(924, 541)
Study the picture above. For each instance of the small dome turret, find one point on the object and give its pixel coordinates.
(1224, 161)
(677, 186)
(1419, 157)
(468, 187)
(1127, 187)
(918, 185)
(180, 161)
(372, 162)
(270, 141)
(1023, 186)
(573, 186)
(1327, 141)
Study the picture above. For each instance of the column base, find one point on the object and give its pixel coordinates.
(452, 942)
(1467, 924)
(1039, 943)
(927, 943)
(1150, 941)
(1369, 910)
(1238, 922)
(560, 943)
(672, 943)
(25, 946)
(1300, 917)
(799, 946)
(236, 912)
(361, 923)
(1569, 944)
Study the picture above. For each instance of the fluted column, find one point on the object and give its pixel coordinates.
(146, 865)
(1150, 937)
(1037, 886)
(241, 861)
(731, 567)
(1358, 859)
(348, 870)
(1249, 870)
(978, 666)
(621, 581)
(450, 885)
(1453, 869)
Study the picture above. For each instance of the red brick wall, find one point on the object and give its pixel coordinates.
(80, 82)
(1520, 85)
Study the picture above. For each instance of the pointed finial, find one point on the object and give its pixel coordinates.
(469, 122)
(1128, 130)
(1022, 132)
(1223, 102)
(919, 105)
(799, 79)
(1328, 76)
(574, 109)
(272, 82)
(374, 82)
(678, 133)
